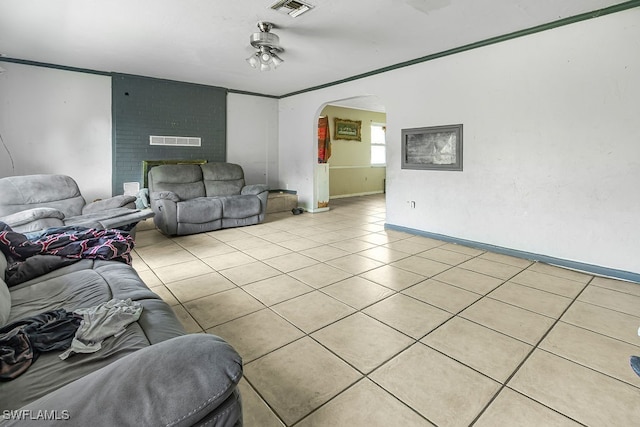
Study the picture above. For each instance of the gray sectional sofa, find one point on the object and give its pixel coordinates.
(36, 202)
(151, 375)
(189, 199)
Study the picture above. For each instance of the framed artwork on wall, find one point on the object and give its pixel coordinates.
(347, 129)
(434, 148)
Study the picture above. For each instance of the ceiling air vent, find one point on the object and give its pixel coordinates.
(293, 8)
(176, 141)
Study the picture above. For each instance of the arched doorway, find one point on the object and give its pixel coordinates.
(352, 161)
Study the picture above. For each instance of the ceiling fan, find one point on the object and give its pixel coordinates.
(267, 46)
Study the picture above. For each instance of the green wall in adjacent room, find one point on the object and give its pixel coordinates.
(350, 170)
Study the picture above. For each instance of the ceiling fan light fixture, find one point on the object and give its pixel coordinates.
(253, 60)
(276, 60)
(267, 47)
(265, 56)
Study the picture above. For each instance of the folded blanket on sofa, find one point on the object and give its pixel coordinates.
(34, 254)
(69, 241)
(32, 267)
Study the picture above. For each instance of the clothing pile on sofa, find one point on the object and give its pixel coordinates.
(80, 331)
(31, 255)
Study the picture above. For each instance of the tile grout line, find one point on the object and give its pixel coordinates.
(366, 375)
(526, 358)
(395, 292)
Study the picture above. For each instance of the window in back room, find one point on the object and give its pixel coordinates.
(378, 144)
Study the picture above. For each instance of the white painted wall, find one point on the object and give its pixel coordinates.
(55, 121)
(252, 137)
(298, 154)
(551, 142)
(551, 152)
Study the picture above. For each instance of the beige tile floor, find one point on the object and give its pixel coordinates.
(343, 323)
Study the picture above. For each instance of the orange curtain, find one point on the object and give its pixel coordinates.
(324, 140)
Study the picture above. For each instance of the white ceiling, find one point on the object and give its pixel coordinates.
(207, 41)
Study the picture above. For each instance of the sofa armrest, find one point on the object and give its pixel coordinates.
(177, 382)
(110, 203)
(254, 189)
(165, 195)
(165, 208)
(31, 215)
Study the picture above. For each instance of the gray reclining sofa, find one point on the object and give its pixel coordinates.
(36, 202)
(151, 375)
(188, 199)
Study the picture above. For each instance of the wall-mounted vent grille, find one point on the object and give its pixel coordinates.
(177, 141)
(293, 8)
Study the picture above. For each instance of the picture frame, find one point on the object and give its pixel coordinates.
(347, 129)
(432, 148)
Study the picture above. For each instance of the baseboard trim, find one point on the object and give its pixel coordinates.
(368, 193)
(573, 265)
(318, 210)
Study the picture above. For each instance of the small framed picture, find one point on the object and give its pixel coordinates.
(347, 129)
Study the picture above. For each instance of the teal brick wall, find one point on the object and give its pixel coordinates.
(145, 106)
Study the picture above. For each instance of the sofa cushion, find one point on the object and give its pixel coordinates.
(179, 382)
(30, 215)
(60, 192)
(254, 189)
(85, 284)
(110, 218)
(199, 211)
(183, 180)
(38, 225)
(240, 206)
(222, 179)
(114, 202)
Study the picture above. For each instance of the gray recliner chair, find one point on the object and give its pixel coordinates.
(36, 202)
(188, 199)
